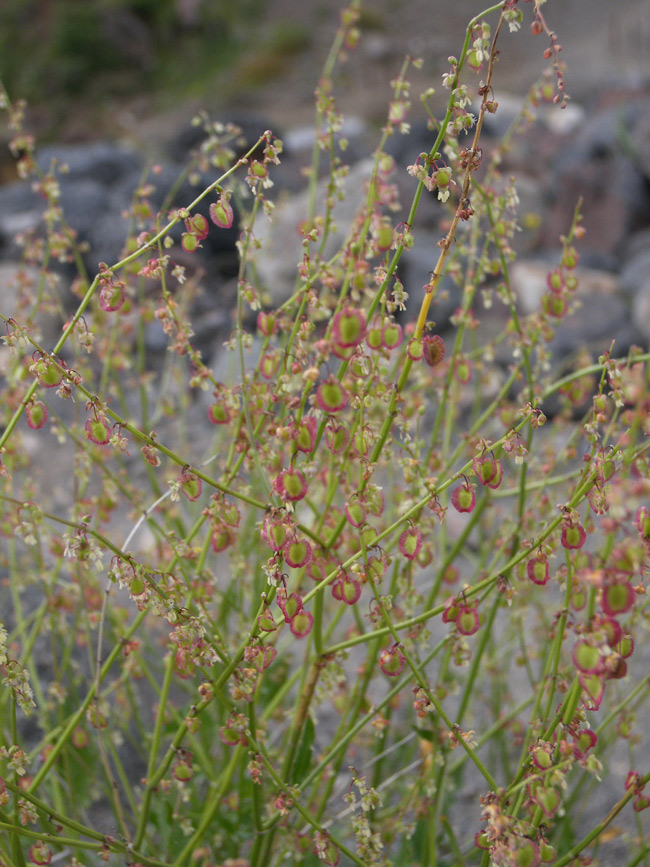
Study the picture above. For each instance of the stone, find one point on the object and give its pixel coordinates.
(104, 162)
(281, 249)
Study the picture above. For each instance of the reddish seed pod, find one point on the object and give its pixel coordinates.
(191, 485)
(98, 431)
(37, 414)
(434, 349)
(331, 396)
(391, 661)
(463, 499)
(573, 535)
(349, 327)
(290, 485)
(221, 213)
(410, 543)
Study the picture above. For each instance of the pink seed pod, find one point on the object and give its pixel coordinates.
(112, 296)
(305, 434)
(218, 413)
(190, 242)
(573, 535)
(355, 512)
(221, 538)
(537, 569)
(37, 414)
(191, 485)
(290, 605)
(392, 335)
(221, 213)
(488, 470)
(331, 397)
(267, 323)
(410, 543)
(434, 349)
(463, 499)
(346, 589)
(98, 431)
(391, 661)
(301, 624)
(349, 327)
(297, 552)
(290, 485)
(617, 597)
(586, 657)
(467, 621)
(197, 225)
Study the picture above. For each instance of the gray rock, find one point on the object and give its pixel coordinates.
(104, 162)
(281, 244)
(20, 211)
(641, 311)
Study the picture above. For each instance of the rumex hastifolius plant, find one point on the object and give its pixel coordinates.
(359, 603)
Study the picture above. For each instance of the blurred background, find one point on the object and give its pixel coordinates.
(134, 68)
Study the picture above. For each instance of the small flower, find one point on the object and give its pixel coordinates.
(463, 371)
(274, 532)
(337, 438)
(269, 364)
(326, 851)
(641, 802)
(151, 456)
(384, 235)
(231, 736)
(266, 623)
(47, 373)
(40, 854)
(374, 337)
(182, 771)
